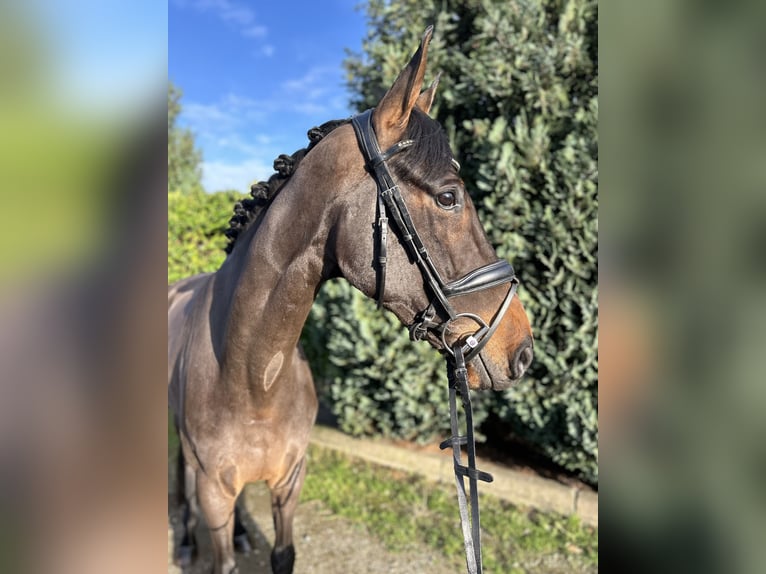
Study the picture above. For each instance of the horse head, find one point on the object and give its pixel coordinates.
(446, 283)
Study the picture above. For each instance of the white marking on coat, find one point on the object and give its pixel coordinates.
(272, 370)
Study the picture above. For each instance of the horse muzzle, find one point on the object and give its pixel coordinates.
(484, 373)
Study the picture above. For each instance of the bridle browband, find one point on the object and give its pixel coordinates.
(391, 205)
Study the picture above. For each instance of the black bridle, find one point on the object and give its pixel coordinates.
(391, 205)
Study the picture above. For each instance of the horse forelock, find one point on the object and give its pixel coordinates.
(430, 156)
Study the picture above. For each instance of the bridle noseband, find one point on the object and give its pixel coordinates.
(391, 205)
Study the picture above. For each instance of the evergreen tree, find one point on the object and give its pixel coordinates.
(518, 98)
(184, 159)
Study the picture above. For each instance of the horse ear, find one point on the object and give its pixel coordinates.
(426, 99)
(392, 113)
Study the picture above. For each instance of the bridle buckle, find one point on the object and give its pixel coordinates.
(424, 322)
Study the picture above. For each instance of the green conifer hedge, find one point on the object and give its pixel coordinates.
(518, 98)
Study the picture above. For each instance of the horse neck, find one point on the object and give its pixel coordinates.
(265, 289)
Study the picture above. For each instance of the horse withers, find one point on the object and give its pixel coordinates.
(240, 389)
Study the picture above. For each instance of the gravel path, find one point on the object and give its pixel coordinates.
(324, 544)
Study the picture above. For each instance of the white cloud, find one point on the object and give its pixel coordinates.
(236, 152)
(314, 82)
(205, 116)
(227, 10)
(231, 113)
(255, 32)
(240, 135)
(266, 50)
(239, 102)
(316, 93)
(234, 142)
(240, 15)
(311, 108)
(220, 175)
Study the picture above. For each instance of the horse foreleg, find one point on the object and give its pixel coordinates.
(186, 551)
(284, 500)
(217, 504)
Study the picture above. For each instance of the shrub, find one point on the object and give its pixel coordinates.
(375, 379)
(196, 222)
(518, 98)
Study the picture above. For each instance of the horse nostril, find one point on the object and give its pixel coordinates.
(522, 360)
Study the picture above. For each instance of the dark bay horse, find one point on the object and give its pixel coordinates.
(240, 390)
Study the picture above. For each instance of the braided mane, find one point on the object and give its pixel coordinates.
(248, 210)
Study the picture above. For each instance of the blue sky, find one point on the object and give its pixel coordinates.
(257, 76)
(99, 55)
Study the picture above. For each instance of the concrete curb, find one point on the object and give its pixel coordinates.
(515, 487)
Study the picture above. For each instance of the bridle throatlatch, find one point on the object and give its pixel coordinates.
(391, 206)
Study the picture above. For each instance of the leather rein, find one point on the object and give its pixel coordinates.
(391, 206)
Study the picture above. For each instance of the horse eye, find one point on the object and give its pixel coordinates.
(446, 199)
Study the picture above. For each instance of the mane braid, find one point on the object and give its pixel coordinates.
(247, 211)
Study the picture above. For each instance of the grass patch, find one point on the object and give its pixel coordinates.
(403, 509)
